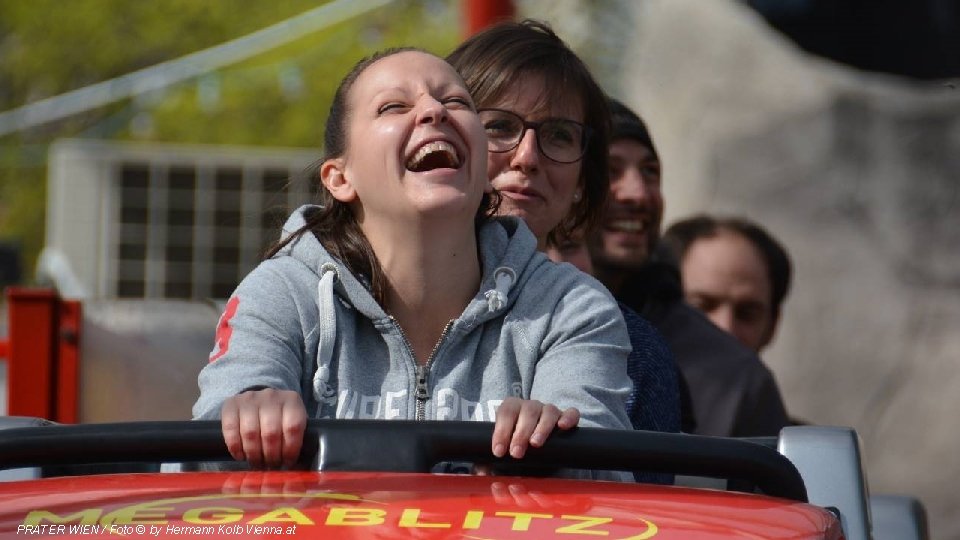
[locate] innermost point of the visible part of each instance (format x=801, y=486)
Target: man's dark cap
x=628, y=125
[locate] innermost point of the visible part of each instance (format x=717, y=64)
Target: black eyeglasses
x=559, y=139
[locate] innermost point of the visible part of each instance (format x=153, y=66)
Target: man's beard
x=623, y=262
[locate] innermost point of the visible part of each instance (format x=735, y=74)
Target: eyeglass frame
x=587, y=132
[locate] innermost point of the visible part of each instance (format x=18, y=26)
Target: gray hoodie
x=536, y=330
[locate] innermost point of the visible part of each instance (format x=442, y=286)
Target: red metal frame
x=43, y=354
x=68, y=362
x=478, y=14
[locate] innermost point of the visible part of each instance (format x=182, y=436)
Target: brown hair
x=492, y=61
x=333, y=222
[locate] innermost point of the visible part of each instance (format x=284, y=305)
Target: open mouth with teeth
x=627, y=226
x=434, y=155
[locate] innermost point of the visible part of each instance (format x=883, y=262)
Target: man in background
x=732, y=270
x=732, y=393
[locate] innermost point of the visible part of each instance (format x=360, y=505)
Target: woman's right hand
x=264, y=427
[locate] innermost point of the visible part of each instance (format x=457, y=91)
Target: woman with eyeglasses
x=547, y=126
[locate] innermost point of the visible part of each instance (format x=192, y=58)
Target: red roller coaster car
x=371, y=479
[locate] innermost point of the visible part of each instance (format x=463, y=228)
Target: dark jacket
x=654, y=403
x=732, y=392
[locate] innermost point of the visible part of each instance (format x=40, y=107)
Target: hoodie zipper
x=422, y=392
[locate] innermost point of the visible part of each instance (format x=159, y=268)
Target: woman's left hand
x=523, y=422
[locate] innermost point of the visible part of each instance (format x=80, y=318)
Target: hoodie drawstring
x=503, y=278
x=327, y=318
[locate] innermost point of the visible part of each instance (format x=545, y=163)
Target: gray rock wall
x=859, y=175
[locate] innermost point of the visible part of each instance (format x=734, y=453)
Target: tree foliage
x=278, y=98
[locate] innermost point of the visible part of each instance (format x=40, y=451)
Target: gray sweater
x=536, y=330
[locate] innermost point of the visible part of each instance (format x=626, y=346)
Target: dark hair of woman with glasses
x=507, y=60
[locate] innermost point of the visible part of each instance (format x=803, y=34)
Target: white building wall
x=85, y=229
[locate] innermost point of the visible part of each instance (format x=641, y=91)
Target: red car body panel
x=392, y=505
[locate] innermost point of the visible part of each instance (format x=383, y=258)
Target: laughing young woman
x=399, y=297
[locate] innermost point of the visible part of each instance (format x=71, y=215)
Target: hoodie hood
x=508, y=252
x=307, y=250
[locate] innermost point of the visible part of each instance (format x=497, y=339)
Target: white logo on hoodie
x=449, y=405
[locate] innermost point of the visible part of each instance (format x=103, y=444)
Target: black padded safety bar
x=410, y=446
x=135, y=442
